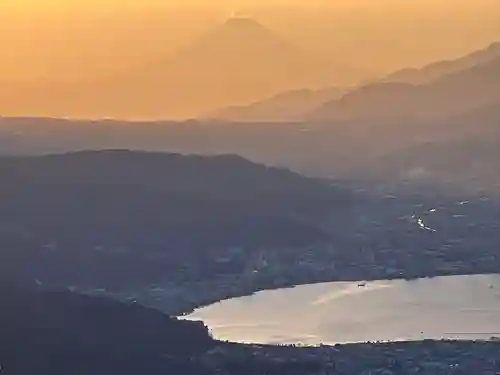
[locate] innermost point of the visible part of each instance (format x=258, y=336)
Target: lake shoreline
x=191, y=309
x=304, y=301
x=428, y=356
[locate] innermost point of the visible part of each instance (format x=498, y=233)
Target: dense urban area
x=410, y=237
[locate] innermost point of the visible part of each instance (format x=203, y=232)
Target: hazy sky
x=57, y=4
x=85, y=38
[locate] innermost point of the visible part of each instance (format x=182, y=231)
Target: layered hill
x=287, y=106
x=293, y=105
x=451, y=94
x=439, y=69
x=121, y=217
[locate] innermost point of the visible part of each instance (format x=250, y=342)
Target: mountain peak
x=240, y=35
x=245, y=27
x=242, y=22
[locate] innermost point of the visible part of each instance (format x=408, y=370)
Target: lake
x=451, y=307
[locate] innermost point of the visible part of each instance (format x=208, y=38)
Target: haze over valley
x=332, y=132
x=157, y=159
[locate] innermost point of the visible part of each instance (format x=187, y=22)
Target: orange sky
x=74, y=39
x=46, y=4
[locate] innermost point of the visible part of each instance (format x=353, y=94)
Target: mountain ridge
x=294, y=105
x=285, y=106
x=437, y=69
x=459, y=91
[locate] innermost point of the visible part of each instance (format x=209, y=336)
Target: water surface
x=451, y=307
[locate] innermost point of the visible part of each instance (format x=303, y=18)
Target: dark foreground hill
x=57, y=333
x=60, y=333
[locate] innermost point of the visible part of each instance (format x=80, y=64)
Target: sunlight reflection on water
x=454, y=307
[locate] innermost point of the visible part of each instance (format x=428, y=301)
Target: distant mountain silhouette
x=238, y=62
x=439, y=69
x=292, y=105
x=454, y=93
x=286, y=106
